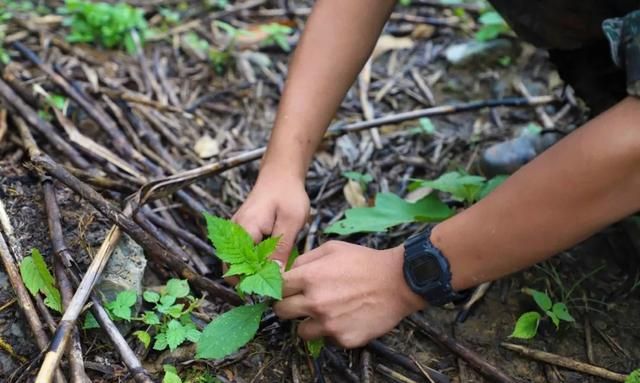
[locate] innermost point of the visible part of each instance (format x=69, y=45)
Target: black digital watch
x=427, y=272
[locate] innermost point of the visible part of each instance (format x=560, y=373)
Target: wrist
x=412, y=301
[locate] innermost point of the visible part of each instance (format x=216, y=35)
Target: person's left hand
x=349, y=293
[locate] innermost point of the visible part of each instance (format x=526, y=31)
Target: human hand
x=349, y=293
x=278, y=205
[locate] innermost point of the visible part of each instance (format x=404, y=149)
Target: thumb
x=287, y=229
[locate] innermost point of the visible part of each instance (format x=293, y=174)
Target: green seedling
x=170, y=374
x=527, y=325
x=461, y=186
x=425, y=126
x=277, y=34
x=361, y=178
x=109, y=25
x=633, y=377
x=38, y=280
x=492, y=25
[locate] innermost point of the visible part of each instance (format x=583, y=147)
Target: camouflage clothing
x=595, y=44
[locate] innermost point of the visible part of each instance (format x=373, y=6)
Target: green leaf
x=167, y=300
x=562, y=312
x=230, y=331
x=461, y=186
x=151, y=296
x=491, y=17
x=175, y=311
x=127, y=298
x=176, y=334
x=265, y=248
x=362, y=178
x=390, y=210
x=38, y=279
x=315, y=347
x=554, y=318
x=240, y=269
x=170, y=374
x=192, y=333
x=542, y=299
x=178, y=288
x=121, y=306
x=143, y=337
x=90, y=322
x=292, y=258
x=267, y=281
x=491, y=185
x=232, y=242
x=633, y=377
x=526, y=326
x=161, y=342
x=57, y=101
x=150, y=318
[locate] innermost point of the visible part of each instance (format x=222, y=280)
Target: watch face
x=425, y=269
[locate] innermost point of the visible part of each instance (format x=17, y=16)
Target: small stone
x=123, y=272
x=478, y=51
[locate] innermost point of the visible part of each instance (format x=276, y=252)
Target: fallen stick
x=403, y=361
x=185, y=235
x=393, y=375
x=473, y=359
x=164, y=186
x=61, y=257
x=366, y=369
x=29, y=310
x=563, y=361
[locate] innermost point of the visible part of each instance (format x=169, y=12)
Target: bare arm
x=588, y=180
x=338, y=39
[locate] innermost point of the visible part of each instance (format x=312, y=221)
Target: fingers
x=310, y=329
x=257, y=228
x=293, y=307
x=294, y=282
x=314, y=254
x=288, y=229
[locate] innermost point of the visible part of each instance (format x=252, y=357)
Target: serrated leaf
x=315, y=347
x=151, y=296
x=267, y=282
x=90, y=322
x=150, y=318
x=562, y=312
x=633, y=377
x=265, y=248
x=542, y=299
x=390, y=210
x=127, y=298
x=120, y=312
x=192, y=333
x=170, y=374
x=175, y=311
x=526, y=326
x=167, y=300
x=176, y=334
x=143, y=337
x=161, y=342
x=230, y=331
x=232, y=243
x=178, y=288
x=240, y=269
x=37, y=278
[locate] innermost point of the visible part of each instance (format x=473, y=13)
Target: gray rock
x=477, y=52
x=123, y=272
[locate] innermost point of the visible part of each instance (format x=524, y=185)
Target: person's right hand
x=278, y=205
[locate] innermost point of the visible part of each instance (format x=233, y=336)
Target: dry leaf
x=422, y=31
x=206, y=147
x=353, y=194
x=387, y=43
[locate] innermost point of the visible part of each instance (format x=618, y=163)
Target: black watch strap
x=439, y=292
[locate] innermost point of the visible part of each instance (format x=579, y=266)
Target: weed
x=277, y=34
x=527, y=325
x=634, y=377
x=361, y=178
x=425, y=126
x=38, y=280
x=492, y=25
x=107, y=24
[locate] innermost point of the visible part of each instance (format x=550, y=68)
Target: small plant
x=4, y=17
x=277, y=34
x=258, y=275
x=170, y=374
x=107, y=24
x=527, y=325
x=462, y=186
x=634, y=377
x=492, y=25
x=425, y=126
x=38, y=280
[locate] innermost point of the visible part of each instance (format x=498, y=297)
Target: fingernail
x=280, y=264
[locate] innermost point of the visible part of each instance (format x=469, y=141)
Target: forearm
x=588, y=180
x=338, y=39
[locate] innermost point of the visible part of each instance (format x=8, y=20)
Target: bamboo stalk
x=563, y=361
x=62, y=256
